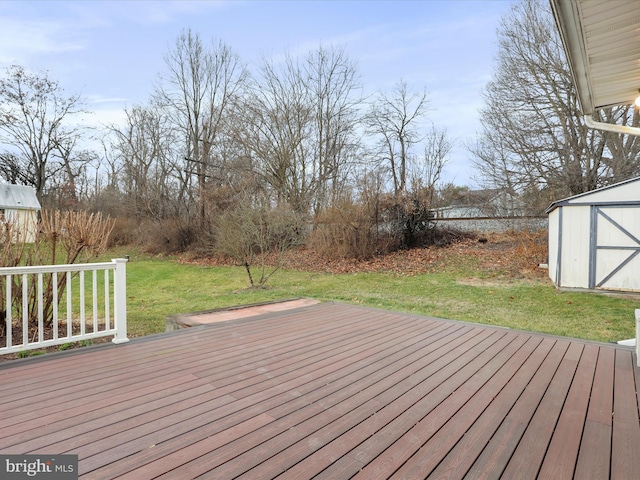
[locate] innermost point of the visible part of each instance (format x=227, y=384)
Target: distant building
x=19, y=205
x=482, y=204
x=488, y=211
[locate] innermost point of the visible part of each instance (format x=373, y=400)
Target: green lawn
x=160, y=287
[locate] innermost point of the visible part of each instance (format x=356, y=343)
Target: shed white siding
x=594, y=239
x=571, y=263
x=27, y=221
x=554, y=246
x=18, y=204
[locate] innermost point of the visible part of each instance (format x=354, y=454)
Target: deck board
x=567, y=434
x=340, y=409
x=593, y=460
x=626, y=430
x=499, y=450
x=331, y=391
x=462, y=410
x=457, y=462
x=529, y=455
x=398, y=405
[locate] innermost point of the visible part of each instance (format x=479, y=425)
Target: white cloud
x=21, y=40
x=108, y=116
x=98, y=99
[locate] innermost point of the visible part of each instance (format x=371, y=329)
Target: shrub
x=126, y=231
x=345, y=231
x=250, y=234
x=166, y=236
x=62, y=238
x=532, y=247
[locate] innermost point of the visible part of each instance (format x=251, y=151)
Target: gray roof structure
x=565, y=201
x=19, y=197
x=601, y=42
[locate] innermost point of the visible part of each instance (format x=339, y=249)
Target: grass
x=160, y=287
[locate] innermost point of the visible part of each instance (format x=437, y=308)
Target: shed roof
x=600, y=195
x=19, y=197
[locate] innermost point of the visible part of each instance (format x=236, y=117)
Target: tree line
x=218, y=146
x=214, y=138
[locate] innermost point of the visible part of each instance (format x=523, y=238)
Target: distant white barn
x=594, y=239
x=20, y=205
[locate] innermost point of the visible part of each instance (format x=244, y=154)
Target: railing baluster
x=82, y=312
x=107, y=305
x=95, y=300
x=40, y=309
x=54, y=299
x=69, y=307
x=9, y=311
x=25, y=311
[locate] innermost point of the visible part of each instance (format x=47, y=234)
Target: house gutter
x=610, y=127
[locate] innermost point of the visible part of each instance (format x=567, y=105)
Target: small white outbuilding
x=594, y=239
x=19, y=205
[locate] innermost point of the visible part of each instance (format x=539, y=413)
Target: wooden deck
x=331, y=391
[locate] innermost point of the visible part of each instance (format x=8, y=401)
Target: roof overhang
x=602, y=41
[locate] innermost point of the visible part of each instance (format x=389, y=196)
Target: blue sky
x=111, y=52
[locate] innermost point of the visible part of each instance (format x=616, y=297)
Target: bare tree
x=70, y=186
x=276, y=132
x=253, y=234
x=429, y=167
x=332, y=81
x=199, y=89
x=148, y=175
x=394, y=119
x=623, y=159
x=397, y=122
x=301, y=118
x=14, y=169
x=34, y=124
x=533, y=136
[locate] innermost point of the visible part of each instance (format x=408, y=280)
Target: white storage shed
x=594, y=239
x=19, y=204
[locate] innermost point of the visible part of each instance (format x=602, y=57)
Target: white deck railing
x=638, y=337
x=61, y=316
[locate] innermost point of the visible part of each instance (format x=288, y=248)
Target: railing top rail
x=57, y=268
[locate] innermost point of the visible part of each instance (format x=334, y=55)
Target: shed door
x=615, y=247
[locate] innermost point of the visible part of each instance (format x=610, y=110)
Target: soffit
x=602, y=41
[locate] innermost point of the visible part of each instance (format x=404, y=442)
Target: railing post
x=120, y=300
x=638, y=337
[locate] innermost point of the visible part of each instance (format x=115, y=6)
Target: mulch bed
x=510, y=254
